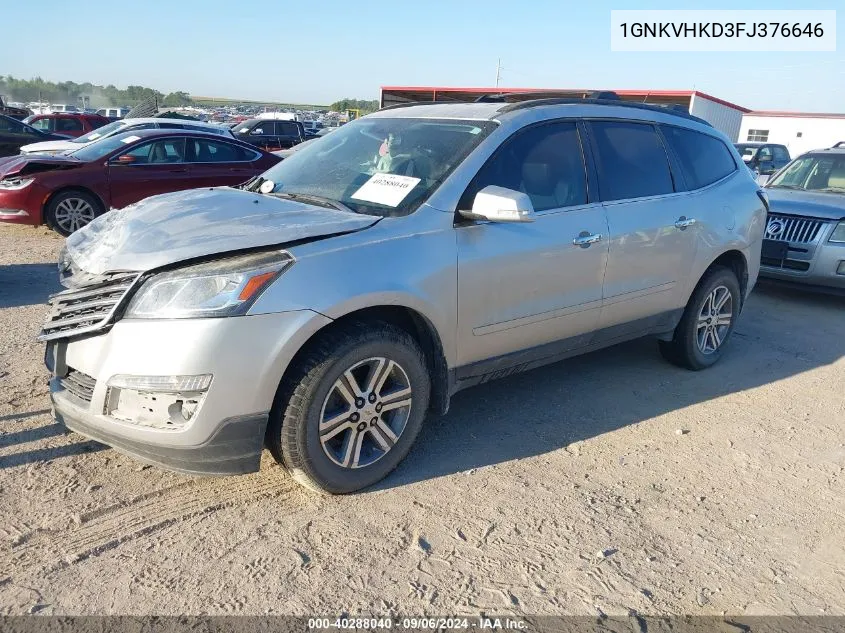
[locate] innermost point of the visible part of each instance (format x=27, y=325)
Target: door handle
x=585, y=239
x=683, y=222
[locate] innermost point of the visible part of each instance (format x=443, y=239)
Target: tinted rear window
x=631, y=159
x=704, y=159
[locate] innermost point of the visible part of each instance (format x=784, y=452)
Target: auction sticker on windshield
x=386, y=189
x=131, y=139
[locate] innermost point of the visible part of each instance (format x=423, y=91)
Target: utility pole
x=498, y=71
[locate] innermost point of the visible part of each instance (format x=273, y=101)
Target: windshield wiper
x=786, y=187
x=833, y=189
x=325, y=202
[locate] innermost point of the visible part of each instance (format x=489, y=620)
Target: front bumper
x=823, y=271
x=22, y=206
x=246, y=356
x=234, y=449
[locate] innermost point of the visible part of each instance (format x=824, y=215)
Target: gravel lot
x=612, y=482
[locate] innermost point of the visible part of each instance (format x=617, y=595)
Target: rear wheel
x=69, y=211
x=707, y=323
x=351, y=408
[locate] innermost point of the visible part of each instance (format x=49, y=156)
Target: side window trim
x=594, y=147
x=459, y=221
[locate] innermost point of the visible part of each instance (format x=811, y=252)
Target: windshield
x=103, y=147
x=747, y=152
x=819, y=172
x=377, y=166
x=100, y=132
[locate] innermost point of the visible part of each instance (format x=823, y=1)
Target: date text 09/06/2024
x=418, y=624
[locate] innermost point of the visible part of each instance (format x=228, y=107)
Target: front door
x=526, y=291
x=148, y=169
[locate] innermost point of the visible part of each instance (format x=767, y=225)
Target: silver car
x=805, y=234
x=325, y=308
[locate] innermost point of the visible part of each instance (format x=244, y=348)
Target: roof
x=797, y=115
x=648, y=96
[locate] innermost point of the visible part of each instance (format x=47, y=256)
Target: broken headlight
x=13, y=184
x=220, y=288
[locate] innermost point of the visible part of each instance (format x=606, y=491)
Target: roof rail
x=838, y=145
x=408, y=104
x=673, y=109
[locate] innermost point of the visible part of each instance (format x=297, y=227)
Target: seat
x=159, y=154
x=837, y=177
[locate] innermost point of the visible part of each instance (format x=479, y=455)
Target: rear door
x=652, y=230
x=289, y=134
x=148, y=169
x=216, y=163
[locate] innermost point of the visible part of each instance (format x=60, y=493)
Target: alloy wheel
x=72, y=214
x=714, y=320
x=365, y=412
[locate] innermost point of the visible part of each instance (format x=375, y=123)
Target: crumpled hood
x=174, y=227
x=34, y=163
x=50, y=146
x=807, y=203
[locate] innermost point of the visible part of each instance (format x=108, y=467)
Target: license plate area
x=54, y=358
x=775, y=249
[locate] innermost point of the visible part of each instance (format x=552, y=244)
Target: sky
x=322, y=51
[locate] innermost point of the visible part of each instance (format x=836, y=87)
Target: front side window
x=781, y=154
x=704, y=159
x=814, y=172
x=170, y=150
x=378, y=166
x=266, y=128
x=544, y=161
x=42, y=124
x=631, y=159
x=758, y=136
x=10, y=125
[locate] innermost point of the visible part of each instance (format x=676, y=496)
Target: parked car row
x=67, y=191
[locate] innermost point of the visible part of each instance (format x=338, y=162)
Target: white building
x=799, y=131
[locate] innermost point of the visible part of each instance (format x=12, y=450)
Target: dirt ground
x=609, y=483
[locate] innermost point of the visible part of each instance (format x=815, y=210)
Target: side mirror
x=125, y=159
x=499, y=204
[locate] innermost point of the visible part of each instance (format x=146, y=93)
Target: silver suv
x=325, y=308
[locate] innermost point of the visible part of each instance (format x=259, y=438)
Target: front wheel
x=708, y=321
x=351, y=409
x=70, y=210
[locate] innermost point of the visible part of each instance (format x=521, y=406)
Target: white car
x=124, y=125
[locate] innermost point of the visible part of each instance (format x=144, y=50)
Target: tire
x=311, y=395
x=70, y=210
x=686, y=349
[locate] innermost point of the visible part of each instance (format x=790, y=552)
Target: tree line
x=29, y=90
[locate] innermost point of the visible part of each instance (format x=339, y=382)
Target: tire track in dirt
x=110, y=526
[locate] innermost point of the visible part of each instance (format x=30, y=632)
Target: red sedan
x=67, y=191
x=67, y=124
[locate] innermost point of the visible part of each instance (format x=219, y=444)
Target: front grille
x=789, y=264
x=85, y=309
x=79, y=384
x=787, y=228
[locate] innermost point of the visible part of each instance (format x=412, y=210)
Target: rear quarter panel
x=730, y=217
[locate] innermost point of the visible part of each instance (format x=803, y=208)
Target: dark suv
x=270, y=134
x=763, y=158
